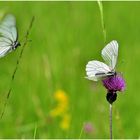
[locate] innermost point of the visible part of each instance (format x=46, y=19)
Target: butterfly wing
x=4, y=46
x=4, y=51
x=8, y=28
x=110, y=54
x=8, y=34
x=96, y=70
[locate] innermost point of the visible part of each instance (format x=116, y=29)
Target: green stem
x=100, y=4
x=35, y=130
x=110, y=119
x=16, y=67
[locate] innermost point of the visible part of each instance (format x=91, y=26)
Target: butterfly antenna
x=17, y=64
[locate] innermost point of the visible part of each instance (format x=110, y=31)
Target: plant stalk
x=100, y=4
x=110, y=120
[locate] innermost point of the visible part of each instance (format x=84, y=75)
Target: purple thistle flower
x=114, y=83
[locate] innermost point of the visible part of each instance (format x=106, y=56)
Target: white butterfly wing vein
x=8, y=28
x=4, y=40
x=110, y=54
x=96, y=67
x=4, y=51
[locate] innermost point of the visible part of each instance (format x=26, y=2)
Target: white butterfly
x=96, y=69
x=8, y=35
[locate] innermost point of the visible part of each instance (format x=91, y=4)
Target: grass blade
x=100, y=4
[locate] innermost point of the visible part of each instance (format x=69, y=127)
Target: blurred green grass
x=65, y=36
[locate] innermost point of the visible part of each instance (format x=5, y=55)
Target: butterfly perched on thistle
x=8, y=35
x=96, y=70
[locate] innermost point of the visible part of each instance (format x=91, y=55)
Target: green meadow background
x=64, y=37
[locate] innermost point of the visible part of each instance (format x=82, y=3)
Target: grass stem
x=102, y=19
x=35, y=130
x=16, y=67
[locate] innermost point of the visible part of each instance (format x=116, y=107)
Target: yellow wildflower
x=61, y=109
x=61, y=96
x=64, y=124
x=62, y=105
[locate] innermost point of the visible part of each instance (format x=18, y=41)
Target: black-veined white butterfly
x=8, y=35
x=96, y=70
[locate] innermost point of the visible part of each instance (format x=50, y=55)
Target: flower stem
x=110, y=119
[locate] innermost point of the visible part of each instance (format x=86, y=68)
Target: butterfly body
x=112, y=73
x=15, y=45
